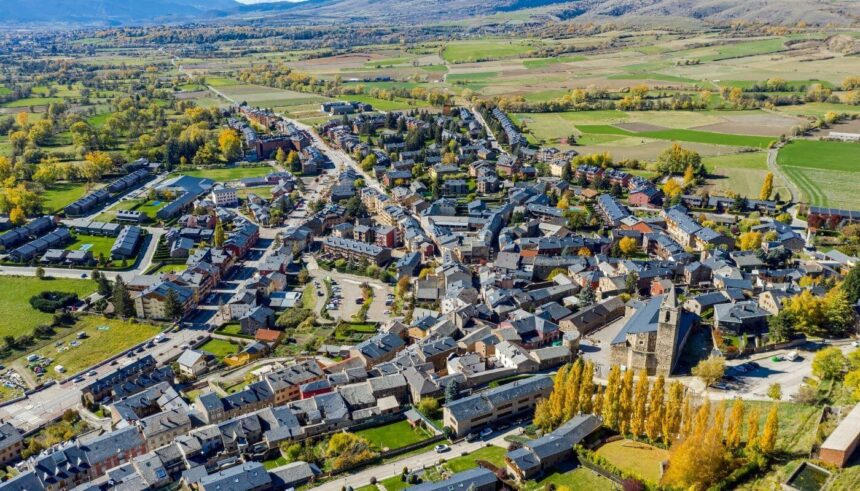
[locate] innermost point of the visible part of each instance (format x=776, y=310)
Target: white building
x=224, y=196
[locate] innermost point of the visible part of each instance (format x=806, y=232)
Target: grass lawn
x=97, y=245
x=58, y=195
x=309, y=297
x=493, y=454
x=709, y=137
x=15, y=292
x=394, y=483
x=797, y=424
x=579, y=478
x=276, y=462
x=33, y=101
x=220, y=348
x=99, y=345
x=638, y=458
x=228, y=173
x=826, y=172
x=393, y=435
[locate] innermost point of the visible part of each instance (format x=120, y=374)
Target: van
x=791, y=355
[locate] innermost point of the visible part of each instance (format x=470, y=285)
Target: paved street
x=50, y=403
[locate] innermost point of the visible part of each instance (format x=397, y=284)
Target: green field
x=33, y=101
x=741, y=173
x=487, y=49
x=399, y=103
x=220, y=348
x=640, y=459
x=100, y=344
x=826, y=172
x=708, y=137
x=229, y=173
x=15, y=292
x=99, y=246
x=545, y=62
x=579, y=478
x=58, y=195
x=393, y=435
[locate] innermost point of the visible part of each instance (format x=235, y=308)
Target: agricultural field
x=480, y=50
x=15, y=292
x=398, y=104
x=826, y=172
x=104, y=339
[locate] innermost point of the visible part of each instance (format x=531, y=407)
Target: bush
x=49, y=301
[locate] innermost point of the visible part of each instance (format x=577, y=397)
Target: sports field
x=229, y=173
x=826, y=172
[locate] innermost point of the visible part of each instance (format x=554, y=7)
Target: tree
x=40, y=273
x=172, y=306
x=627, y=245
x=654, y=422
x=640, y=402
x=766, y=187
x=851, y=285
x=749, y=241
x=752, y=430
x=710, y=370
x=17, y=216
x=571, y=393
x=676, y=159
x=304, y=277
x=672, y=414
x=229, y=144
x=736, y=422
x=586, y=387
x=781, y=326
x=452, y=391
x=428, y=406
x=368, y=162
x=626, y=400
x=280, y=155
x=218, y=237
x=563, y=204
x=672, y=189
x=698, y=462
x=612, y=398
x=689, y=175
x=586, y=296
x=774, y=391
x=122, y=302
x=346, y=449
x=767, y=442
x=828, y=363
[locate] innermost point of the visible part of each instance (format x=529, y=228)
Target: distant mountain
x=120, y=12
x=110, y=12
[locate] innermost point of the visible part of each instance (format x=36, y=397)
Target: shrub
x=50, y=301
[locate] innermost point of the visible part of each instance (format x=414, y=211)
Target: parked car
x=486, y=432
x=471, y=437
x=442, y=448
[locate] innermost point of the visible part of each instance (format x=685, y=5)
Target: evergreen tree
x=640, y=404
x=452, y=390
x=218, y=237
x=122, y=302
x=172, y=306
x=736, y=422
x=654, y=422
x=767, y=442
x=626, y=399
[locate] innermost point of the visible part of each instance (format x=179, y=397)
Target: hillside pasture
x=484, y=49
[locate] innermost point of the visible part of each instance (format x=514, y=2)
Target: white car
x=442, y=448
x=486, y=432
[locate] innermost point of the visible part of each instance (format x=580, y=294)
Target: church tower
x=668, y=323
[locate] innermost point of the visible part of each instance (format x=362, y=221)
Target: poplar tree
x=752, y=430
x=767, y=442
x=672, y=415
x=655, y=409
x=736, y=422
x=700, y=421
x=597, y=401
x=640, y=404
x=687, y=419
x=626, y=402
x=556, y=397
x=611, y=398
x=586, y=387
x=571, y=403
